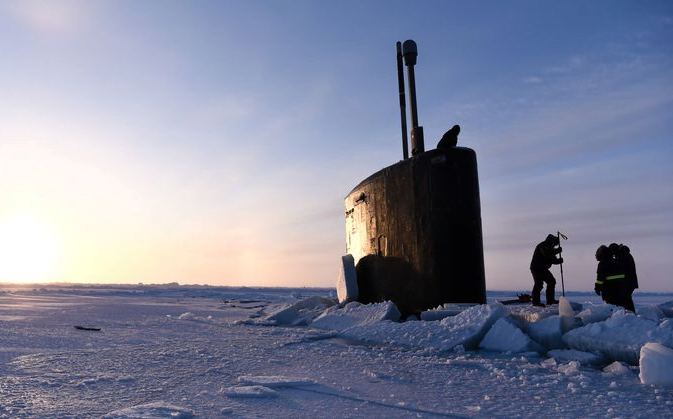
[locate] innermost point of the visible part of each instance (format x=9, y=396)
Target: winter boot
x=550, y=295
x=536, y=298
x=536, y=301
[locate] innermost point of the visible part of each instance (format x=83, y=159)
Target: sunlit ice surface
x=28, y=249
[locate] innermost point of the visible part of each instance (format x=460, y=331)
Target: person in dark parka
x=545, y=255
x=611, y=279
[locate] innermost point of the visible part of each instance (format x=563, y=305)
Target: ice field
x=208, y=352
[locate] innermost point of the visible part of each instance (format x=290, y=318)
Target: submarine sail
x=414, y=228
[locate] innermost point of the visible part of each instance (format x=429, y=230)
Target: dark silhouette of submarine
x=413, y=229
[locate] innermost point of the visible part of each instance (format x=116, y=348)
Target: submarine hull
x=414, y=230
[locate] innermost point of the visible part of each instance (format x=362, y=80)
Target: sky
x=214, y=142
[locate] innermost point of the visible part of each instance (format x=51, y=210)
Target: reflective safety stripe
x=620, y=276
x=599, y=282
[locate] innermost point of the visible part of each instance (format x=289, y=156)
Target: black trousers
x=618, y=293
x=540, y=278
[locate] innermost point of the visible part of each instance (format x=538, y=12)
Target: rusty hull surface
x=414, y=230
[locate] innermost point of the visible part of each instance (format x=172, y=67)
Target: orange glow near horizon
x=28, y=250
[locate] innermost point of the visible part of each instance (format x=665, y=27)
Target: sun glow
x=28, y=251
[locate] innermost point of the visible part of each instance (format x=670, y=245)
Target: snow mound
x=187, y=316
x=301, y=312
x=263, y=386
x=155, y=410
x=356, y=314
x=249, y=392
x=274, y=381
x=505, y=336
x=656, y=364
x=616, y=368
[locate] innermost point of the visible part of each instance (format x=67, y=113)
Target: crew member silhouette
x=545, y=255
x=611, y=281
x=450, y=138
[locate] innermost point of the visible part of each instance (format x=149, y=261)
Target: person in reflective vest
x=545, y=255
x=611, y=282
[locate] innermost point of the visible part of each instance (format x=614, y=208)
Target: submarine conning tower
x=414, y=228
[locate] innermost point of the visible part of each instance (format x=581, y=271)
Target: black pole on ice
x=403, y=100
x=410, y=52
x=560, y=235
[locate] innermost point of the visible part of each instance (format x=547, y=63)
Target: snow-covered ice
x=210, y=352
x=156, y=410
x=347, y=283
x=655, y=364
x=619, y=337
x=356, y=314
x=506, y=336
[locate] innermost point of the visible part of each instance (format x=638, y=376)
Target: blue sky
x=214, y=141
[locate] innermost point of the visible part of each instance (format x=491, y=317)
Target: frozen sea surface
x=210, y=352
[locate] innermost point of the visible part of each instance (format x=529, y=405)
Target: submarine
x=413, y=229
